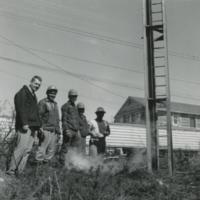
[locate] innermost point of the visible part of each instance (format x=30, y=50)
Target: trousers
x=73, y=143
x=22, y=151
x=47, y=148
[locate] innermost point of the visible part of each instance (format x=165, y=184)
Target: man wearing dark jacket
x=70, y=125
x=27, y=122
x=84, y=126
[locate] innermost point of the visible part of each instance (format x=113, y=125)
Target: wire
x=42, y=67
x=65, y=71
x=93, y=35
x=62, y=89
x=174, y=95
x=185, y=56
x=65, y=28
x=82, y=60
x=87, y=61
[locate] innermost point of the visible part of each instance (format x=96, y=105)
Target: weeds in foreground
x=112, y=180
x=47, y=182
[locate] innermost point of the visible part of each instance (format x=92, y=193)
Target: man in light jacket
x=99, y=130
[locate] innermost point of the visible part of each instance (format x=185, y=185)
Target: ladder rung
x=158, y=26
x=158, y=20
x=162, y=95
x=159, y=57
x=156, y=12
x=161, y=109
x=162, y=136
x=161, y=85
x=160, y=76
x=163, y=147
x=160, y=99
x=159, y=47
x=156, y=3
x=159, y=66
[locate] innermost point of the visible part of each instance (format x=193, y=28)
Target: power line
x=82, y=59
x=65, y=90
x=175, y=95
x=65, y=71
x=69, y=29
x=87, y=61
x=92, y=35
x=121, y=84
x=42, y=67
x=185, y=56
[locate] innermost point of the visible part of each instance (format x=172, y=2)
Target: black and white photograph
x=99, y=100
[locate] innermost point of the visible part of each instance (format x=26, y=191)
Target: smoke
x=87, y=164
x=137, y=160
x=74, y=160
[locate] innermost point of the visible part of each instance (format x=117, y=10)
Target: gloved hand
x=25, y=128
x=58, y=138
x=69, y=133
x=41, y=135
x=96, y=134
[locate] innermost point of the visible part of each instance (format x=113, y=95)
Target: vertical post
x=151, y=117
x=169, y=127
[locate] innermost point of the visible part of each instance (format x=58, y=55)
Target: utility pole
x=157, y=89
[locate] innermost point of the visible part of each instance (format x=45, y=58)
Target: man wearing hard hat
x=50, y=132
x=99, y=130
x=70, y=125
x=84, y=127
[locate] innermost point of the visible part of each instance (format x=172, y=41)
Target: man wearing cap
x=27, y=123
x=99, y=130
x=70, y=125
x=84, y=127
x=50, y=132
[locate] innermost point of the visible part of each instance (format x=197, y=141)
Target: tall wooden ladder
x=157, y=81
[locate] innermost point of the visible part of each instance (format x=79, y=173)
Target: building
x=6, y=124
x=183, y=115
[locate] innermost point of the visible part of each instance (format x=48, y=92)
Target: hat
x=72, y=92
x=100, y=109
x=80, y=105
x=52, y=88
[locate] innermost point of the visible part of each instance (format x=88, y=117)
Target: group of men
x=42, y=120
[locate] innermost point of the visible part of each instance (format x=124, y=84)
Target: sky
x=95, y=47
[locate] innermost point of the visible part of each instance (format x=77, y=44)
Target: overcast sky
x=95, y=47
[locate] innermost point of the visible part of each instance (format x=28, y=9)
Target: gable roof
x=175, y=106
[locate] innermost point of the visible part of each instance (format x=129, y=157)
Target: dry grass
x=86, y=179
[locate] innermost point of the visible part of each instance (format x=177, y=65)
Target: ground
x=113, y=180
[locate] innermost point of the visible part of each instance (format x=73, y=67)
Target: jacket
x=49, y=115
x=84, y=127
x=26, y=109
x=70, y=118
x=99, y=130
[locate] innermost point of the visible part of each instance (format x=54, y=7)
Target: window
x=176, y=120
x=126, y=118
x=192, y=122
x=133, y=117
